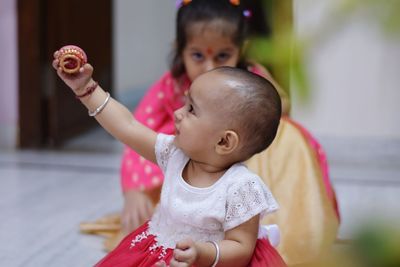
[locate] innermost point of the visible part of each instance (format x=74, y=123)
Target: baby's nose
x=178, y=114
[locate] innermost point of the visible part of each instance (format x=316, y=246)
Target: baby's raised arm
x=111, y=115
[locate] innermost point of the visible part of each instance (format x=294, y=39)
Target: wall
x=144, y=32
x=354, y=70
x=8, y=75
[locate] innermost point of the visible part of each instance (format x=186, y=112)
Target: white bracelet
x=216, y=260
x=101, y=107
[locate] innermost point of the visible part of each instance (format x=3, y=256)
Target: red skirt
x=139, y=249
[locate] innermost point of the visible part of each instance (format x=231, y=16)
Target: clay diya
x=71, y=58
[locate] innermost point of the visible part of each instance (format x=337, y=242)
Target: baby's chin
x=178, y=145
x=176, y=141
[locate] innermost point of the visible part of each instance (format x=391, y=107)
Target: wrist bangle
x=216, y=260
x=89, y=90
x=101, y=107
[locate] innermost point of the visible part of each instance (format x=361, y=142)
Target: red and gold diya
x=71, y=58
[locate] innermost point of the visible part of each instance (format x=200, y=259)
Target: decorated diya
x=71, y=58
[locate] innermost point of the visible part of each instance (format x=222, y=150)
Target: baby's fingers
x=175, y=263
x=160, y=264
x=56, y=54
x=186, y=256
x=55, y=64
x=86, y=69
x=185, y=244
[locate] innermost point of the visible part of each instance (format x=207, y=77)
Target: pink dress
x=156, y=110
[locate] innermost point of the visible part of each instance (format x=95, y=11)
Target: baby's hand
x=185, y=254
x=77, y=81
x=161, y=264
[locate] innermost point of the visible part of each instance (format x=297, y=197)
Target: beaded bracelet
x=101, y=107
x=89, y=90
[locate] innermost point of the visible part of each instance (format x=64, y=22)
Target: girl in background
x=209, y=34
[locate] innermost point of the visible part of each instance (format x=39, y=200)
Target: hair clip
x=247, y=13
x=235, y=2
x=180, y=3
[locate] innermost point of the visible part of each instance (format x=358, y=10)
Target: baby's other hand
x=161, y=264
x=78, y=81
x=138, y=208
x=185, y=254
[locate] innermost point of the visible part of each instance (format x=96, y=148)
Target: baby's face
x=202, y=121
x=207, y=49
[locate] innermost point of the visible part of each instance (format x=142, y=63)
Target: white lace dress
x=185, y=211
x=204, y=214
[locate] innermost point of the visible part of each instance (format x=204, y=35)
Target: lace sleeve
x=164, y=148
x=245, y=200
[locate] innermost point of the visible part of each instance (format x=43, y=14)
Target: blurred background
x=341, y=66
x=351, y=57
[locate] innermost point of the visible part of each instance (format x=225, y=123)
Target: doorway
x=49, y=114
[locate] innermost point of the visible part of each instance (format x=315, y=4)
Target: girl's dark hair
x=207, y=11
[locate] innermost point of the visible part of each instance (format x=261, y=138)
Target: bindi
x=209, y=51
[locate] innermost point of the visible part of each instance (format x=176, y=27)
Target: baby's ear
x=228, y=143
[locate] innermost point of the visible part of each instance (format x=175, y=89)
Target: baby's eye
x=190, y=109
x=197, y=56
x=221, y=57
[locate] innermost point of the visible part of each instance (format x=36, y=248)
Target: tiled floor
x=45, y=194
